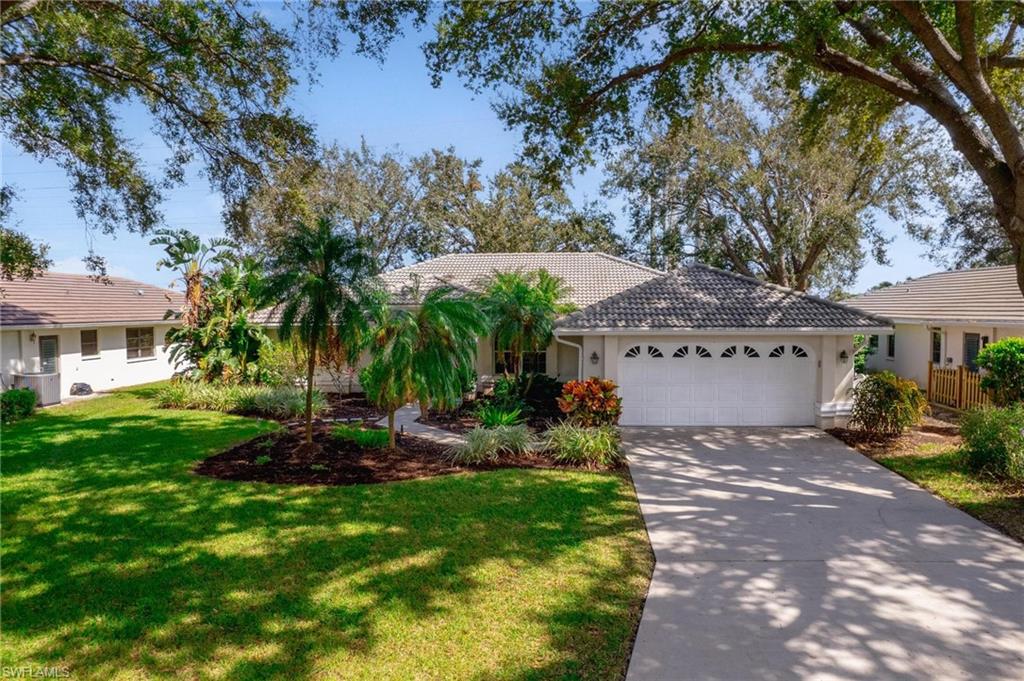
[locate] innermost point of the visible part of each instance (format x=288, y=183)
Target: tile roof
x=702, y=297
x=590, y=276
x=56, y=298
x=984, y=294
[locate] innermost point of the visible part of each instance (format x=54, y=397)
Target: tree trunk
x=391, y=428
x=310, y=367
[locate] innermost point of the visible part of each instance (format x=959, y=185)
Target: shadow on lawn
x=116, y=557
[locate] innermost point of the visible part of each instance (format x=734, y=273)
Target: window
x=139, y=342
x=90, y=343
x=729, y=351
x=633, y=351
x=702, y=352
x=798, y=351
x=936, y=346
x=653, y=351
x=49, y=354
x=890, y=345
x=530, y=362
x=972, y=344
x=873, y=341
x=777, y=351
x=682, y=351
x=750, y=352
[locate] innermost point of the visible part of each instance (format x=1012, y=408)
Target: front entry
x=691, y=382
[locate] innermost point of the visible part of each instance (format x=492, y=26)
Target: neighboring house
x=943, y=319
x=699, y=346
x=73, y=329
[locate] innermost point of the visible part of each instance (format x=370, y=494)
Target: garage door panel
x=746, y=387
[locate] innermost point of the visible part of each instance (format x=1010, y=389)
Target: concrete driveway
x=784, y=554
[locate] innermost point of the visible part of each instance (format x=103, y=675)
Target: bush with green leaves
x=507, y=394
x=282, y=363
x=250, y=400
x=374, y=438
x=1003, y=362
x=16, y=404
x=994, y=440
x=590, y=446
x=885, y=404
x=487, y=445
x=492, y=415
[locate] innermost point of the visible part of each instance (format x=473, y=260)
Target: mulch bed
x=464, y=419
x=352, y=406
x=931, y=431
x=341, y=462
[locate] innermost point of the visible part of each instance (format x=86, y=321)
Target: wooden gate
x=958, y=388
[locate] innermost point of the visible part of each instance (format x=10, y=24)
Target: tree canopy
x=579, y=79
x=740, y=187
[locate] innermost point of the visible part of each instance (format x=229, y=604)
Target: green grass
x=943, y=471
x=364, y=437
x=120, y=563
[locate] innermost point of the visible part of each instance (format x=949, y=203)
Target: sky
x=392, y=105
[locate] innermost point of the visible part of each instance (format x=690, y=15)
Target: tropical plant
x=282, y=402
x=425, y=354
x=596, y=446
x=886, y=404
x=282, y=363
x=593, y=402
x=522, y=308
x=16, y=404
x=507, y=394
x=994, y=440
x=373, y=438
x=486, y=445
x=492, y=415
x=321, y=276
x=189, y=255
x=1003, y=362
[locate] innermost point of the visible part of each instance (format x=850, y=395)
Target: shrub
x=506, y=394
x=282, y=364
x=479, y=445
x=1003, y=362
x=483, y=445
x=886, y=404
x=994, y=440
x=594, y=446
x=251, y=400
x=373, y=438
x=16, y=404
x=513, y=439
x=592, y=402
x=492, y=415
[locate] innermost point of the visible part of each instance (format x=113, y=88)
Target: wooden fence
x=958, y=388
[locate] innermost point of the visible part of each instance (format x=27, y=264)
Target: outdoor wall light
x=594, y=357
x=843, y=357
x=32, y=337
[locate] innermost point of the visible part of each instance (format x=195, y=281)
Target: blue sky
x=392, y=105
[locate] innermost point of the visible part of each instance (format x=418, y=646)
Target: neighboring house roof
x=590, y=277
x=987, y=295
x=57, y=299
x=698, y=297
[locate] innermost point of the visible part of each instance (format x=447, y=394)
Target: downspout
x=579, y=355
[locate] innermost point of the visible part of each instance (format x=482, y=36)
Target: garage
x=683, y=382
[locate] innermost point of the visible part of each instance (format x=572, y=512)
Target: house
x=72, y=329
x=942, y=320
x=698, y=346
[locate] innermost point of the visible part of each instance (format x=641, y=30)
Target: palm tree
x=426, y=354
x=522, y=309
x=321, y=277
x=186, y=253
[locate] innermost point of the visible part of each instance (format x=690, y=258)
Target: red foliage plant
x=592, y=402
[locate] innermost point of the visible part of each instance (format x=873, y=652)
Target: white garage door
x=695, y=383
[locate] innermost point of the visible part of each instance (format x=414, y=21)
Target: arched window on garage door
x=632, y=352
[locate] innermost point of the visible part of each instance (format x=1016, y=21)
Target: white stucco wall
x=110, y=369
x=914, y=348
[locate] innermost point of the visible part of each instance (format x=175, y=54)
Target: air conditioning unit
x=45, y=386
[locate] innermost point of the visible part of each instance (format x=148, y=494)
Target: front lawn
x=931, y=456
x=120, y=562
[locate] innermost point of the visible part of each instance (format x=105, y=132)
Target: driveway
x=784, y=554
